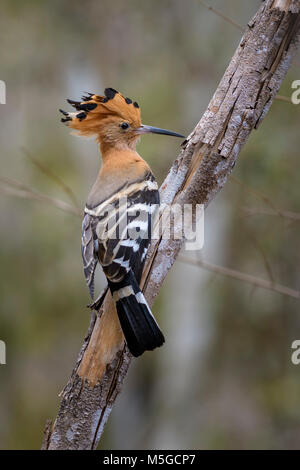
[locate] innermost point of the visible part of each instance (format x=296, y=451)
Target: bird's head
x=113, y=119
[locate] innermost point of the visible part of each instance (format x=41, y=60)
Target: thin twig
x=15, y=188
x=271, y=211
x=253, y=280
x=224, y=17
x=256, y=193
x=264, y=257
x=283, y=98
x=69, y=192
x=295, y=216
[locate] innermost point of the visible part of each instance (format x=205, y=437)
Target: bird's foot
x=96, y=305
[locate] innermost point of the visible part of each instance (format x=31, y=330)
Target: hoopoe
x=124, y=176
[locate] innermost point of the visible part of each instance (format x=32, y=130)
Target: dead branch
x=229, y=20
x=209, y=154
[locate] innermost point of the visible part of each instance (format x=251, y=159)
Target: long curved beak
x=157, y=130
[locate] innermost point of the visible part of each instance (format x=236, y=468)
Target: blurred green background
x=224, y=379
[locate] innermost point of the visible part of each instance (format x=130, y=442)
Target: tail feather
x=140, y=329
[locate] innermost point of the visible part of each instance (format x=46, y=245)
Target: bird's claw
x=96, y=305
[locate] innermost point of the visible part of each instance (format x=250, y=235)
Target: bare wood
x=239, y=104
x=54, y=177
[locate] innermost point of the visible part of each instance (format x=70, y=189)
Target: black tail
x=140, y=329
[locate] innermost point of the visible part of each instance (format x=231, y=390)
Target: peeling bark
x=208, y=156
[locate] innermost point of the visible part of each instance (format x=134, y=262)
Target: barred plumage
x=117, y=224
x=107, y=237
x=142, y=331
x=107, y=226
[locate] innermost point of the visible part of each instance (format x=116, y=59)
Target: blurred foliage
x=224, y=379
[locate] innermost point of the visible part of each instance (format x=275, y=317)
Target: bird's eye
x=124, y=125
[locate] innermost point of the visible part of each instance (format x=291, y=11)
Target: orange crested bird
x=116, y=228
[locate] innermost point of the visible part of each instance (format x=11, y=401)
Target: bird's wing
x=89, y=250
x=123, y=230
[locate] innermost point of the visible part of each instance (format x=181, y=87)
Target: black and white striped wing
x=89, y=249
x=124, y=231
x=128, y=251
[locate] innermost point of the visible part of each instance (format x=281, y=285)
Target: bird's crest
x=94, y=109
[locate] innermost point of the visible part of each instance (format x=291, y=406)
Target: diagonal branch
x=208, y=156
x=241, y=28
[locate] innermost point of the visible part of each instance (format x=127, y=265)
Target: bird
x=116, y=227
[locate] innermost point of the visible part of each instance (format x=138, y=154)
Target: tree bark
x=208, y=156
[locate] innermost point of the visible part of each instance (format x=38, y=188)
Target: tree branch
x=209, y=154
x=241, y=28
